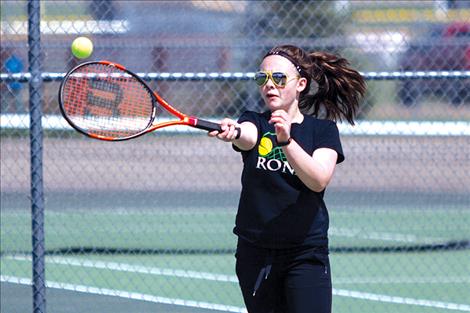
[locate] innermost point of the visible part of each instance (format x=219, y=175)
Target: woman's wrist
x=284, y=143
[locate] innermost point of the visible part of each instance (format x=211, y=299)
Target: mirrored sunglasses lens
x=261, y=78
x=279, y=78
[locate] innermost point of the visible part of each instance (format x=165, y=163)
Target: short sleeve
x=327, y=136
x=249, y=116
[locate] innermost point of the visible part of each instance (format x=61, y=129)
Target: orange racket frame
x=158, y=101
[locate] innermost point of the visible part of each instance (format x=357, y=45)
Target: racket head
x=105, y=101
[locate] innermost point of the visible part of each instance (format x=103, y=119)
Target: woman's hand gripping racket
x=105, y=101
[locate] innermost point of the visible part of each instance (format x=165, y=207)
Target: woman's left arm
x=316, y=170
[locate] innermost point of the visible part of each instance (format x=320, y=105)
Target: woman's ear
x=301, y=84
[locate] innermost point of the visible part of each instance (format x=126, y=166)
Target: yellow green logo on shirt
x=272, y=158
x=265, y=146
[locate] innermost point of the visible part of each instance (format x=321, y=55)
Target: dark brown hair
x=333, y=90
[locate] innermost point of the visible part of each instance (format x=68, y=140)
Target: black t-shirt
x=276, y=210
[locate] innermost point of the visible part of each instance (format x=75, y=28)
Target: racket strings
x=106, y=101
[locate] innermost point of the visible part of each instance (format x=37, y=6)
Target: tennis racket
x=106, y=101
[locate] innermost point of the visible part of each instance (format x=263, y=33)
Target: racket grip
x=211, y=126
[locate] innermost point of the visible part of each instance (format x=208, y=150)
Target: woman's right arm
x=248, y=136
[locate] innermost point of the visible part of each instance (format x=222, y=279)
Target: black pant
x=284, y=281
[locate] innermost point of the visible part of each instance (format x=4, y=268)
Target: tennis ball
x=265, y=146
x=82, y=47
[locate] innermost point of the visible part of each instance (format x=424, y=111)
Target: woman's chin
x=274, y=104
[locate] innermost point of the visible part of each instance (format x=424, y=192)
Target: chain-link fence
x=145, y=225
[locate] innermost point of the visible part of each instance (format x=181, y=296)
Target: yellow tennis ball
x=265, y=146
x=82, y=47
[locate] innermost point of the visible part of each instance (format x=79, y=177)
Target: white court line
x=233, y=279
x=127, y=295
x=402, y=280
x=383, y=236
x=401, y=300
x=123, y=267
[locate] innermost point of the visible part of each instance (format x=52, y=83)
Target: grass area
x=50, y=10
x=383, y=104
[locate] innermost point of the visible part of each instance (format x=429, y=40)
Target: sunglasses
x=279, y=79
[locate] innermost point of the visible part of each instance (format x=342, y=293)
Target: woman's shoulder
x=319, y=122
x=320, y=127
x=254, y=116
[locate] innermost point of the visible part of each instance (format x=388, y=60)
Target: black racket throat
x=211, y=126
x=206, y=125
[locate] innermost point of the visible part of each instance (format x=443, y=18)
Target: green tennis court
x=163, y=240
x=182, y=258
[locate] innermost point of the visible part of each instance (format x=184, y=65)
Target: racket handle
x=210, y=126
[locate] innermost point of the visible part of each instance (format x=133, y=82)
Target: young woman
x=289, y=154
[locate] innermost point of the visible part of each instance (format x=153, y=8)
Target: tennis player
x=289, y=154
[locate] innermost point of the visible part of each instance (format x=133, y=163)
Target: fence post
x=36, y=141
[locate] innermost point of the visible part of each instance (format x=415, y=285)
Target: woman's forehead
x=277, y=63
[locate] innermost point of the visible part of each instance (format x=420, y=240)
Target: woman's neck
x=295, y=115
